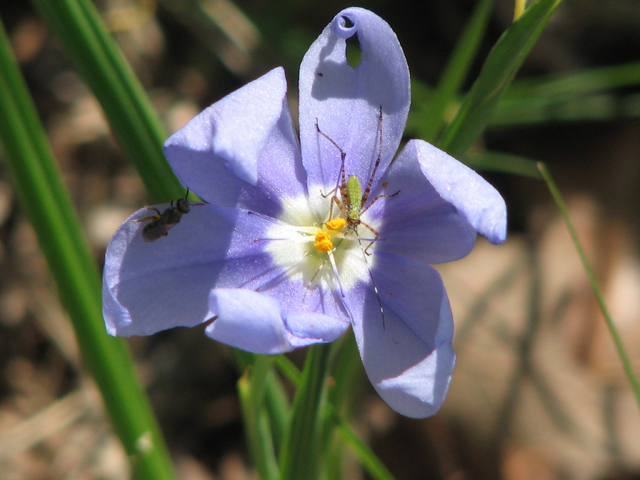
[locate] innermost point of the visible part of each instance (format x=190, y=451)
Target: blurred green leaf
x=370, y=462
x=455, y=72
x=604, y=106
x=585, y=81
x=498, y=71
x=123, y=99
x=47, y=203
x=252, y=387
x=585, y=95
x=300, y=455
x=274, y=399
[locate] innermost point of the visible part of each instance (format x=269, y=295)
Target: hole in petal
x=354, y=54
x=347, y=22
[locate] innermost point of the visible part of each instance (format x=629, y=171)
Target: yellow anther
x=336, y=224
x=323, y=242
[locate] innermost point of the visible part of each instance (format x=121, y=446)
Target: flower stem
x=300, y=455
x=252, y=387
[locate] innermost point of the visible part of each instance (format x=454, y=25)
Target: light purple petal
x=152, y=286
x=346, y=101
x=255, y=322
x=417, y=222
x=242, y=150
x=295, y=294
x=301, y=287
x=409, y=356
x=308, y=328
x=248, y=320
x=472, y=195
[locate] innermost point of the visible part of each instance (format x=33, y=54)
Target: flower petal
x=415, y=220
x=248, y=320
x=152, y=286
x=408, y=356
x=309, y=328
x=254, y=321
x=345, y=101
x=472, y=195
x=242, y=150
x=273, y=257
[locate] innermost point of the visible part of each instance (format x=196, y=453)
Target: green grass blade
x=275, y=397
x=123, y=100
x=341, y=395
x=622, y=353
x=593, y=107
x=252, y=387
x=455, y=71
x=277, y=405
x=367, y=458
x=300, y=456
x=343, y=364
x=49, y=208
x=288, y=369
x=583, y=82
x=497, y=73
x=369, y=461
x=579, y=96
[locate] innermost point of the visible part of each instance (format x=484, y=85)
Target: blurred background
x=538, y=391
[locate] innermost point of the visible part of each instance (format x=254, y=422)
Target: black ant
x=160, y=224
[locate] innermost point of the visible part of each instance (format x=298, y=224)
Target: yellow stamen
x=323, y=242
x=336, y=224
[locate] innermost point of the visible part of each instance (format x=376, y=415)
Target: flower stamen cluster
x=336, y=224
x=323, y=239
x=323, y=242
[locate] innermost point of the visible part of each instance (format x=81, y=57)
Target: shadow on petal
x=153, y=286
x=408, y=357
x=255, y=322
x=334, y=78
x=248, y=320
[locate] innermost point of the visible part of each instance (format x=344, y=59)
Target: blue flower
x=282, y=255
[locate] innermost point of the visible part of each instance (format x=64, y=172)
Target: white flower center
x=324, y=251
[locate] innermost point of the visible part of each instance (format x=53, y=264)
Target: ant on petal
x=160, y=224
